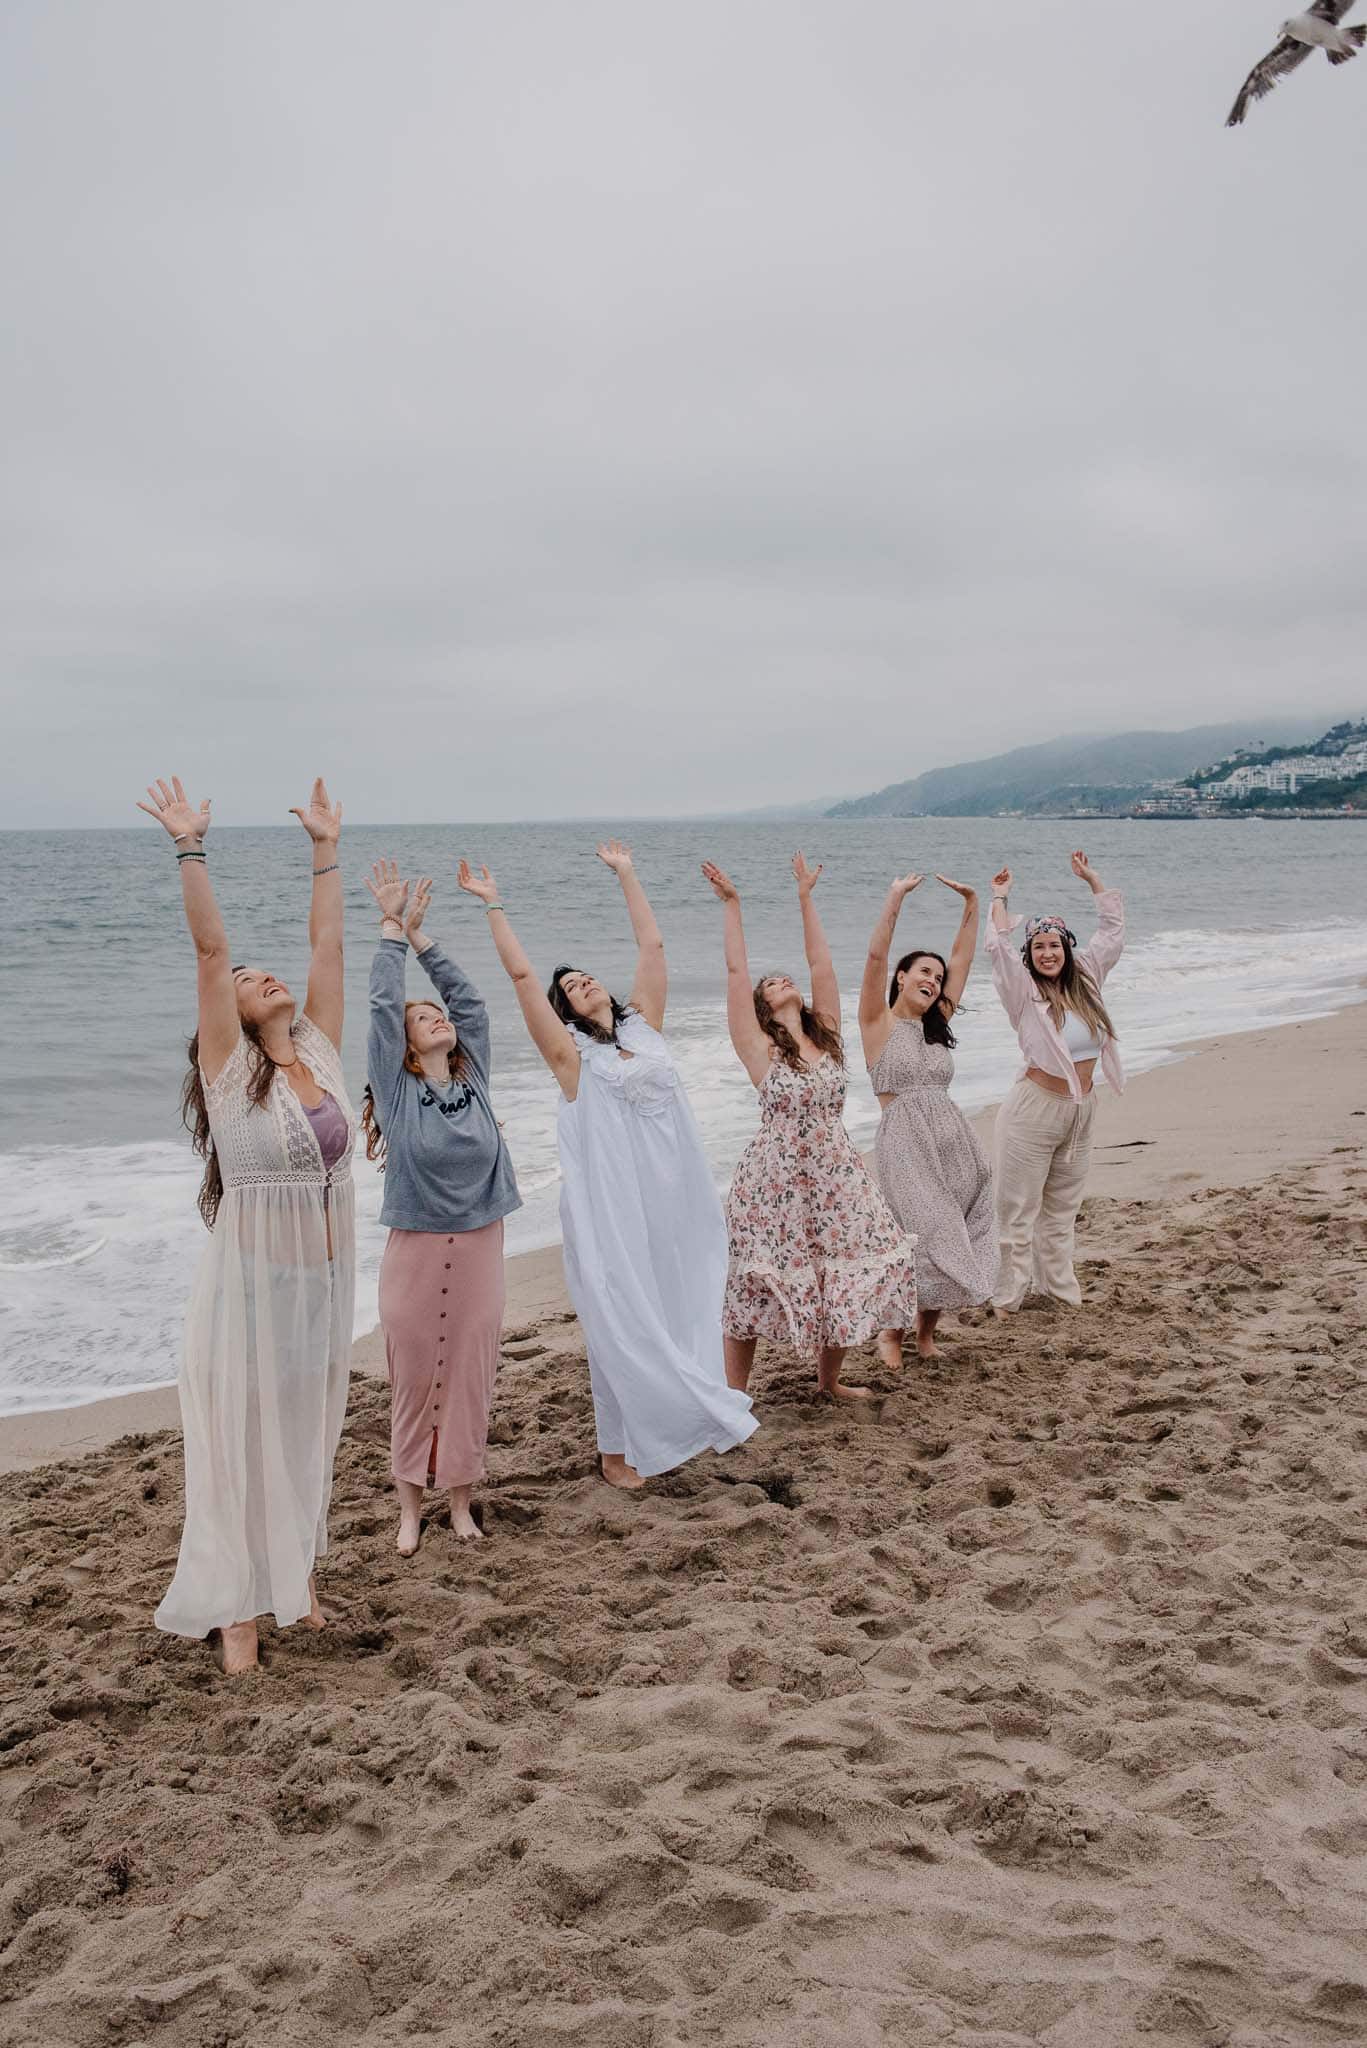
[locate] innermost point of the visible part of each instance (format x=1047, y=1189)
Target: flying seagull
x=1317, y=28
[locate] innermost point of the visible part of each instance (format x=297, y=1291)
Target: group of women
x=673, y=1292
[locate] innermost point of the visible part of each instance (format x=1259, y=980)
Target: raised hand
x=418, y=908
x=320, y=817
x=963, y=889
x=1001, y=882
x=172, y=808
x=1084, y=871
x=805, y=875
x=904, y=884
x=614, y=855
x=389, y=889
x=722, y=885
x=477, y=882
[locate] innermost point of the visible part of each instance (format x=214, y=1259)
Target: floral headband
x=1048, y=924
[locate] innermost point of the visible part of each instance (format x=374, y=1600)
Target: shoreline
x=1188, y=1123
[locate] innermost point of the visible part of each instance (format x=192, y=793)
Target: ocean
x=1232, y=926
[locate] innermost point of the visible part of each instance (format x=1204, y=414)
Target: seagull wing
x=1264, y=75
x=1331, y=10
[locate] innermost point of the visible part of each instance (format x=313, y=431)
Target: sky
x=642, y=409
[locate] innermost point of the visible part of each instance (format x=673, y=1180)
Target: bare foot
x=925, y=1348
x=315, y=1618
x=890, y=1349
x=840, y=1392
x=617, y=1472
x=410, y=1533
x=239, y=1647
x=464, y=1527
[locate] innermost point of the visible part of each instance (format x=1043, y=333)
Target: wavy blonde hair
x=375, y=1146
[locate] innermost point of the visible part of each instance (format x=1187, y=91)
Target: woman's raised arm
x=219, y=1029
x=650, y=988
x=825, y=987
x=875, y=1012
x=752, y=1047
x=465, y=1006
x=1107, y=943
x=1009, y=977
x=965, y=942
x=387, y=1041
x=548, y=1034
x=323, y=1005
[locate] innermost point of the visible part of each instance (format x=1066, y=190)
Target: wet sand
x=1029, y=1707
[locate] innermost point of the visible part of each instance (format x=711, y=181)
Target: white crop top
x=1081, y=1041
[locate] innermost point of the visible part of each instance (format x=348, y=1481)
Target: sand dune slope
x=1031, y=1708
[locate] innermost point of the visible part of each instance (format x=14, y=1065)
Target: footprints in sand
x=1028, y=1707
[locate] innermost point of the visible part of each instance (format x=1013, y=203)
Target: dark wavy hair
x=566, y=1012
x=1073, y=990
x=375, y=1146
x=819, y=1029
x=194, y=1112
x=935, y=1022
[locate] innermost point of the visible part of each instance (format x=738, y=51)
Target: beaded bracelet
x=189, y=856
x=327, y=871
x=492, y=906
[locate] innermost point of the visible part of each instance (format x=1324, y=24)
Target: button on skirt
x=441, y=1309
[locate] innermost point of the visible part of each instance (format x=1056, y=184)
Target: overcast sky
x=612, y=406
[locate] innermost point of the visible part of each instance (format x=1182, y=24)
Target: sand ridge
x=1031, y=1707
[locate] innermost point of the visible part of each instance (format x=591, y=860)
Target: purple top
x=329, y=1125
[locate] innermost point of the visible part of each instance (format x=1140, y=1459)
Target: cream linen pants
x=1042, y=1148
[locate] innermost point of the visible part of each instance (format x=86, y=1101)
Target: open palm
x=477, y=882
x=320, y=817
x=172, y=808
x=389, y=889
x=722, y=885
x=805, y=875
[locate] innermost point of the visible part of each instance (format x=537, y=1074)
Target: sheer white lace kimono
x=263, y=1382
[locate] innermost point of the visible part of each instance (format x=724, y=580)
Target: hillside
x=1062, y=773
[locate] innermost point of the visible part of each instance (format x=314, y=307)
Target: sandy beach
x=1029, y=1707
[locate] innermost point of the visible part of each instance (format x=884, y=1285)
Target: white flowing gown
x=645, y=1256
x=263, y=1381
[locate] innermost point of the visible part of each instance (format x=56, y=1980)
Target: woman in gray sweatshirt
x=449, y=1183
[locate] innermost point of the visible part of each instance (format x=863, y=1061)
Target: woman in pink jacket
x=1051, y=991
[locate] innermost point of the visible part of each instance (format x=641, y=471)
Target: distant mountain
x=1060, y=774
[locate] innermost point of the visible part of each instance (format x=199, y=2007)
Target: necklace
x=284, y=1063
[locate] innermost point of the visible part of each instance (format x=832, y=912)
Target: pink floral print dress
x=816, y=1255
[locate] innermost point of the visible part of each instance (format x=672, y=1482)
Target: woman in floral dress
x=817, y=1259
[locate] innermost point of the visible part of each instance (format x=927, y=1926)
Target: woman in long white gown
x=263, y=1381
x=645, y=1241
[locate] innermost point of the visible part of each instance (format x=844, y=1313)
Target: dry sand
x=1030, y=1708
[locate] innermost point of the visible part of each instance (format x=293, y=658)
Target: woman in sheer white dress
x=645, y=1241
x=263, y=1381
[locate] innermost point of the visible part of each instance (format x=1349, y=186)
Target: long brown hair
x=818, y=1029
x=194, y=1114
x=375, y=1146
x=568, y=1015
x=935, y=1023
x=1072, y=989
